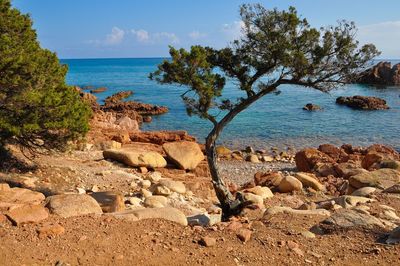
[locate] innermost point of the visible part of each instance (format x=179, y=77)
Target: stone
x=175, y=186
x=208, y=241
x=67, y=205
x=162, y=190
x=110, y=144
x=289, y=184
x=311, y=107
x=263, y=192
x=145, y=184
x=391, y=164
x=364, y=191
x=351, y=201
x=254, y=199
x=145, y=193
x=309, y=181
x=348, y=169
x=276, y=209
x=153, y=177
x=252, y=158
x=134, y=201
x=160, y=137
x=267, y=179
x=185, y=154
x=325, y=169
x=50, y=230
x=109, y=201
x=244, y=234
x=381, y=178
x=155, y=202
x=143, y=170
x=393, y=189
x=348, y=218
x=4, y=187
x=20, y=196
x=136, y=159
x=27, y=214
x=371, y=159
x=380, y=74
x=223, y=151
x=249, y=149
x=127, y=123
x=267, y=158
x=363, y=102
x=394, y=236
x=307, y=234
x=167, y=213
x=204, y=219
x=307, y=159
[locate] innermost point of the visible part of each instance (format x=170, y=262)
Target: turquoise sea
x=276, y=120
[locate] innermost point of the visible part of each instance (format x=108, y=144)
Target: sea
x=277, y=120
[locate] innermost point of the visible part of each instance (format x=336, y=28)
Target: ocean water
x=275, y=120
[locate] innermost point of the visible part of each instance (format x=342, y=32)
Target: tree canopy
x=37, y=108
x=276, y=48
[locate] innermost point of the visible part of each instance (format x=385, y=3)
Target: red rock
x=208, y=241
x=160, y=137
x=27, y=214
x=109, y=201
x=381, y=74
x=50, y=230
x=267, y=179
x=306, y=159
x=234, y=226
x=3, y=218
x=363, y=102
x=370, y=159
x=334, y=152
x=244, y=235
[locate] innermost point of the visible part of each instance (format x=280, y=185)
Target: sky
x=145, y=28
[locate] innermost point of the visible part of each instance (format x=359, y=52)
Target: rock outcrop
x=363, y=102
x=160, y=137
x=381, y=74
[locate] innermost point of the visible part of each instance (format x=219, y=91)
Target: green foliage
x=37, y=108
x=276, y=48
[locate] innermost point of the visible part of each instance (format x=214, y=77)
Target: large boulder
x=149, y=159
x=308, y=158
x=381, y=74
x=348, y=218
x=167, y=213
x=289, y=184
x=382, y=178
x=67, y=205
x=186, y=155
x=363, y=102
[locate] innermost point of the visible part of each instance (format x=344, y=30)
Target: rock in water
x=136, y=159
x=311, y=107
x=363, y=102
x=381, y=74
x=68, y=205
x=185, y=154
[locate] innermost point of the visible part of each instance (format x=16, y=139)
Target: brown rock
x=363, y=102
x=244, y=235
x=267, y=179
x=186, y=155
x=208, y=241
x=381, y=74
x=160, y=137
x=20, y=196
x=27, y=214
x=136, y=159
x=50, y=230
x=98, y=90
x=306, y=159
x=68, y=205
x=289, y=184
x=333, y=152
x=382, y=178
x=109, y=201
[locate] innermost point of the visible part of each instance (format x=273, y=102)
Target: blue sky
x=145, y=28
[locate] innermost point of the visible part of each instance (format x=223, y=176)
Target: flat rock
x=167, y=213
x=149, y=159
x=20, y=196
x=351, y=201
x=277, y=209
x=364, y=191
x=185, y=154
x=208, y=241
x=155, y=202
x=175, y=186
x=68, y=205
x=382, y=178
x=289, y=184
x=50, y=230
x=204, y=219
x=109, y=201
x=309, y=181
x=27, y=214
x=393, y=189
x=347, y=218
x=263, y=192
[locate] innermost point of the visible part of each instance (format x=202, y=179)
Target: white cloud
x=115, y=37
x=196, y=35
x=233, y=30
x=166, y=36
x=385, y=35
x=141, y=35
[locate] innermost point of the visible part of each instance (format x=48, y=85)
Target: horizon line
x=163, y=57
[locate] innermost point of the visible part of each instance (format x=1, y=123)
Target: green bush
x=37, y=108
